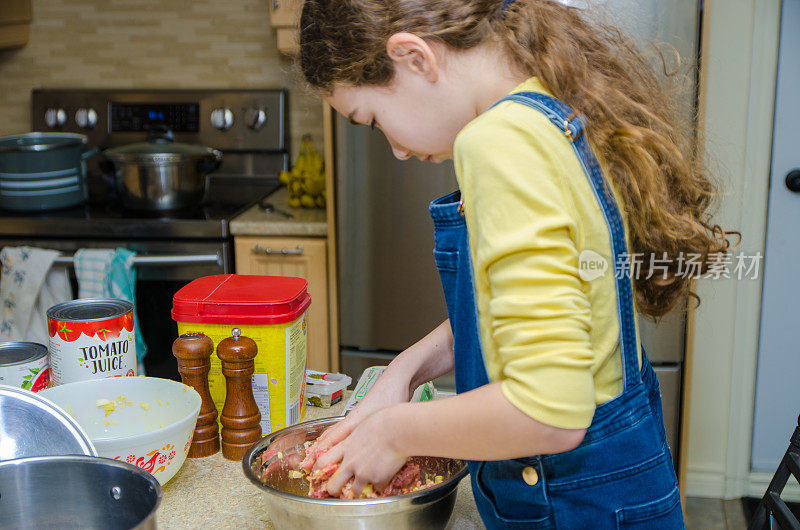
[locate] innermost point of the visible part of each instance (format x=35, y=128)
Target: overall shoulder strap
x=572, y=126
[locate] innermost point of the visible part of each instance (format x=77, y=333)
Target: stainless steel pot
x=76, y=492
x=161, y=174
x=429, y=508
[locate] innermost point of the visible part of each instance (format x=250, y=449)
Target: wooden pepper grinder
x=193, y=351
x=240, y=416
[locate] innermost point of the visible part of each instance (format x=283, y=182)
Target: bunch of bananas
x=306, y=180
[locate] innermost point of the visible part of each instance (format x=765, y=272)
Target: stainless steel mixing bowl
x=289, y=508
x=76, y=492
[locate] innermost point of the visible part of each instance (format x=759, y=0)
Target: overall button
x=530, y=476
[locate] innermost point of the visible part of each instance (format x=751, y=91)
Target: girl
x=565, y=147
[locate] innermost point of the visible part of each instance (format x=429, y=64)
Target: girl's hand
x=426, y=360
x=367, y=455
x=391, y=388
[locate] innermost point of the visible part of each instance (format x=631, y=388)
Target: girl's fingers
x=332, y=456
x=381, y=485
x=358, y=486
x=337, y=433
x=337, y=481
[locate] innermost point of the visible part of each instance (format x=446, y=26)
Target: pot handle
x=160, y=134
x=89, y=153
x=209, y=166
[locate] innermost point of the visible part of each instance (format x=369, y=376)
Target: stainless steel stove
x=249, y=127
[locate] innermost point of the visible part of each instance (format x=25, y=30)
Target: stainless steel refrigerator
x=389, y=289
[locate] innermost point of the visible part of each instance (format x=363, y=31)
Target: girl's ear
x=411, y=52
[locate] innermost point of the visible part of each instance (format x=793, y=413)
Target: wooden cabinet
x=305, y=257
x=15, y=19
x=284, y=16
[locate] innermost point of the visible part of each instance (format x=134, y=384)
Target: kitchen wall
x=740, y=63
x=151, y=44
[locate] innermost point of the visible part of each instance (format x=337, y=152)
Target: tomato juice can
x=24, y=365
x=91, y=338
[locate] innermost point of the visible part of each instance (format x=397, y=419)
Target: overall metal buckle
x=568, y=131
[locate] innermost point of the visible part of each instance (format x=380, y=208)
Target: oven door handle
x=152, y=261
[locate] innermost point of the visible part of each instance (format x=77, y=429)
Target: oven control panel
x=141, y=117
x=239, y=120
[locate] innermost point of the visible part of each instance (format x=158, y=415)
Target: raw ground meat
x=406, y=480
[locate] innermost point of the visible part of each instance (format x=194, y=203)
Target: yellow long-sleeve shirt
x=549, y=336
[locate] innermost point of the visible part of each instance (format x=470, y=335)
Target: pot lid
x=31, y=425
x=160, y=147
x=39, y=141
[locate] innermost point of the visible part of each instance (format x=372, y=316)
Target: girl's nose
x=400, y=154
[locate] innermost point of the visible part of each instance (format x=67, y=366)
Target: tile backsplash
x=151, y=44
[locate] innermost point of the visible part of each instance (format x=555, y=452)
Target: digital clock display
x=138, y=117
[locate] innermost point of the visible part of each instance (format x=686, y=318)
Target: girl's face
x=420, y=112
x=414, y=120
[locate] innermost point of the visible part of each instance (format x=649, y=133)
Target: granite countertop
x=307, y=222
x=213, y=492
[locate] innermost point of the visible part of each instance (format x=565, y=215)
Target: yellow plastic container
x=271, y=310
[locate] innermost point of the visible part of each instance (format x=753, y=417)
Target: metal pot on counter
x=76, y=491
x=160, y=173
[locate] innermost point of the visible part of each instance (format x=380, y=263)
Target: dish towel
x=29, y=286
x=109, y=273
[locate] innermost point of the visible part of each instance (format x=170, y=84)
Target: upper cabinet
x=15, y=20
x=284, y=16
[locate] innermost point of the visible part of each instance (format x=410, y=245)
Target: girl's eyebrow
x=350, y=117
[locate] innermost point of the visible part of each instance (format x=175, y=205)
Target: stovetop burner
x=228, y=196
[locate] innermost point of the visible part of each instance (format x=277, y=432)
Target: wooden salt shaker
x=240, y=416
x=193, y=351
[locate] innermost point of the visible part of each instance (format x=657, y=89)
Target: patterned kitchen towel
x=29, y=286
x=108, y=273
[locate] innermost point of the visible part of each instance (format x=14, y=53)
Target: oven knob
x=255, y=118
x=86, y=118
x=55, y=118
x=222, y=119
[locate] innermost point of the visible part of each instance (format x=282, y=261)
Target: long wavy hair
x=644, y=146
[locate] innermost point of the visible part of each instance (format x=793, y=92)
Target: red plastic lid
x=241, y=299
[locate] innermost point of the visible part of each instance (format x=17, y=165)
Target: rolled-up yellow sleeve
x=534, y=314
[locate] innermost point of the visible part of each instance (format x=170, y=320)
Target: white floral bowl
x=145, y=421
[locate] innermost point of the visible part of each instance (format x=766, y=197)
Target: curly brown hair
x=632, y=123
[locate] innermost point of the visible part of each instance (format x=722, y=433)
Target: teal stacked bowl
x=43, y=171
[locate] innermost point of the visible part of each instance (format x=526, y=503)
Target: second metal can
x=24, y=365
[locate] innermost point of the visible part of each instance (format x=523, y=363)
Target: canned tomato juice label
x=24, y=365
x=91, y=338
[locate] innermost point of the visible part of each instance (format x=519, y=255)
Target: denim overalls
x=621, y=476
